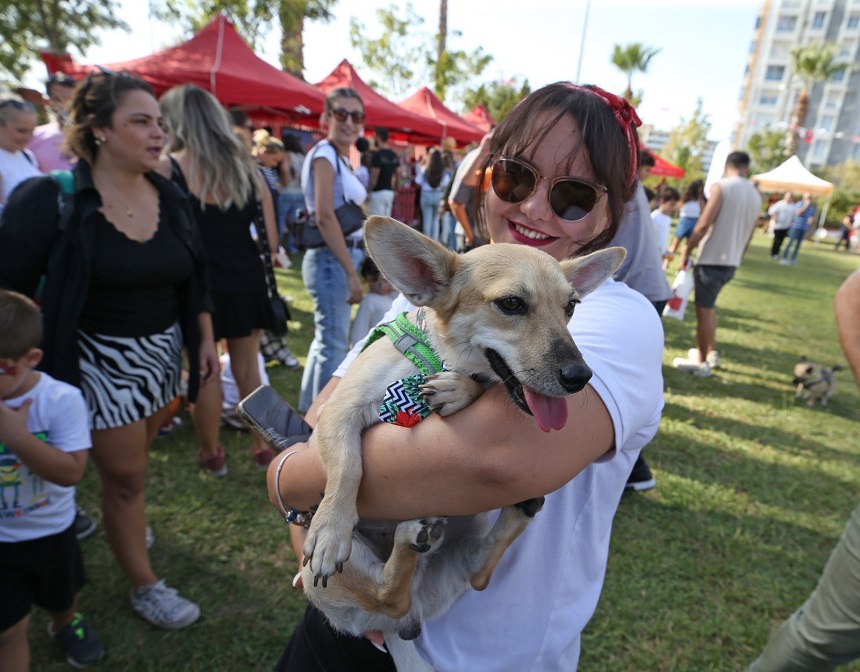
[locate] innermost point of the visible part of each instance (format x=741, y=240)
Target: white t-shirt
x=370, y=311
x=31, y=507
x=348, y=187
x=691, y=209
x=662, y=223
x=14, y=169
x=546, y=587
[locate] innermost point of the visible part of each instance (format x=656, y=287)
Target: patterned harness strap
x=403, y=404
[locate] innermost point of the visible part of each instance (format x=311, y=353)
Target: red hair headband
x=625, y=114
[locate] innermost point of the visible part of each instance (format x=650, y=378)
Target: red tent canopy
x=425, y=103
x=217, y=59
x=480, y=117
x=401, y=123
x=663, y=168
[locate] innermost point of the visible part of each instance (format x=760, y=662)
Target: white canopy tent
x=792, y=176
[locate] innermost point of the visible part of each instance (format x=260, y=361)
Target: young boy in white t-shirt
x=44, y=439
x=661, y=218
x=375, y=304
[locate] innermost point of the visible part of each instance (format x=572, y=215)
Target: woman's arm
x=269, y=218
x=210, y=365
x=486, y=456
x=329, y=227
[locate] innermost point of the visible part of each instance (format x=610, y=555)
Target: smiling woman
x=126, y=285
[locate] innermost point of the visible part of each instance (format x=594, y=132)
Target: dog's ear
x=589, y=272
x=416, y=265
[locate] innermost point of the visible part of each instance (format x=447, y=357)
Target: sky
x=703, y=46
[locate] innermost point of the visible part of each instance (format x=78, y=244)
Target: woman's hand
x=356, y=291
x=210, y=367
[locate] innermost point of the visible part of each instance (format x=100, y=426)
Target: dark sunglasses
x=570, y=198
x=341, y=114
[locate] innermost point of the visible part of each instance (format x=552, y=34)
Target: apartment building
x=831, y=132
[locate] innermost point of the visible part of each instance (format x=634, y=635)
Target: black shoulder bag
x=279, y=304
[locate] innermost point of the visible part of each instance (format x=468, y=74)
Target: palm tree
x=811, y=63
x=632, y=58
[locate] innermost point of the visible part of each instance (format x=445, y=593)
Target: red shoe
x=264, y=457
x=215, y=465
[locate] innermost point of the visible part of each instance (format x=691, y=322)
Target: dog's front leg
x=510, y=524
x=329, y=541
x=450, y=391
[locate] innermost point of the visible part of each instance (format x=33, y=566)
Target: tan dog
x=496, y=314
x=814, y=382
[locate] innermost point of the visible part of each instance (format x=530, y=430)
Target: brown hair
x=342, y=92
x=93, y=103
x=604, y=144
x=20, y=325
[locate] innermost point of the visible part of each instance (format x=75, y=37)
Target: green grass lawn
x=753, y=491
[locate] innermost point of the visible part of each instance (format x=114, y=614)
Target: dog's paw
x=328, y=545
x=450, y=391
x=530, y=507
x=421, y=535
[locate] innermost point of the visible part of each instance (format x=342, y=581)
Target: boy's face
x=17, y=375
x=668, y=207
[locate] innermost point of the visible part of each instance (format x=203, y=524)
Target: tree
x=29, y=25
x=405, y=55
x=811, y=63
x=687, y=144
x=498, y=97
x=766, y=150
x=629, y=59
x=252, y=19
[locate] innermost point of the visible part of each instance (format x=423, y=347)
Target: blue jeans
x=288, y=203
x=326, y=282
x=795, y=238
x=430, y=212
x=449, y=238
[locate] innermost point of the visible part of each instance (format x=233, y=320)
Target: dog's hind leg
x=510, y=524
x=387, y=588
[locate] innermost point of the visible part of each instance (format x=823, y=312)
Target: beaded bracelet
x=291, y=516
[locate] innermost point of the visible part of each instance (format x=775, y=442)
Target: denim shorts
x=708, y=281
x=685, y=227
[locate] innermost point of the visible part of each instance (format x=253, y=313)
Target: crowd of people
x=131, y=276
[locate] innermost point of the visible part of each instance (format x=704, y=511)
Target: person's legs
x=121, y=456
x=14, y=647
x=778, y=239
x=387, y=201
x=706, y=331
x=825, y=631
x=790, y=252
x=376, y=203
x=326, y=283
x=797, y=236
x=246, y=371
x=206, y=415
x=429, y=212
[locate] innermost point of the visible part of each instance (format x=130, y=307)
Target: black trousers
x=779, y=236
x=316, y=647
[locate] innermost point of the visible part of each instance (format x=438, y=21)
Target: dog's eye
x=512, y=305
x=570, y=307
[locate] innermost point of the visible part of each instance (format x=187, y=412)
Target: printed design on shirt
x=16, y=499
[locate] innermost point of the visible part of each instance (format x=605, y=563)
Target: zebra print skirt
x=127, y=379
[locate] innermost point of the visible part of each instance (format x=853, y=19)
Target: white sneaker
x=163, y=606
x=713, y=358
x=694, y=366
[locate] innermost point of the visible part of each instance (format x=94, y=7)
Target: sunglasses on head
x=570, y=198
x=341, y=114
x=18, y=104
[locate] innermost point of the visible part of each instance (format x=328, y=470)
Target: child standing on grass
x=661, y=218
x=375, y=303
x=44, y=439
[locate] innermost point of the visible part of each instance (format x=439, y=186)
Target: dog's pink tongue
x=550, y=412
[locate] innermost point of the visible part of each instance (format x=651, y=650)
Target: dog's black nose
x=574, y=377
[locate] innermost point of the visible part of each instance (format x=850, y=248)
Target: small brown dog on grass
x=814, y=382
x=497, y=314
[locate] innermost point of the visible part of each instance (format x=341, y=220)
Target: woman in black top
x=126, y=287
x=226, y=189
